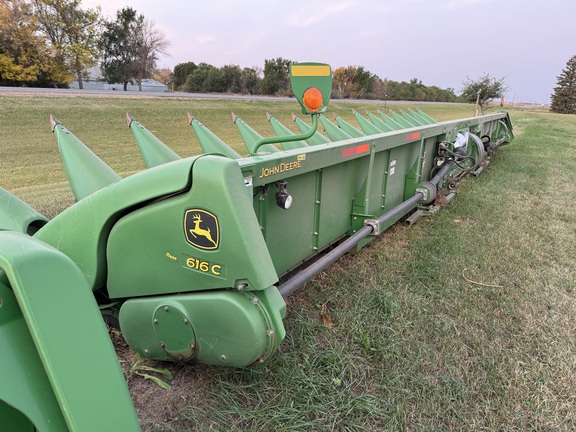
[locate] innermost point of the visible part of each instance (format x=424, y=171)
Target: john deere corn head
x=192, y=257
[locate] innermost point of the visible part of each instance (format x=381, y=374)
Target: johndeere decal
x=201, y=229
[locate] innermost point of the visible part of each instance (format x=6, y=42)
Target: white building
x=96, y=82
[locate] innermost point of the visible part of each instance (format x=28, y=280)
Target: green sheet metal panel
x=209, y=142
x=224, y=327
x=206, y=237
x=154, y=152
x=45, y=281
x=24, y=385
x=288, y=233
x=16, y=215
x=86, y=172
x=340, y=184
x=92, y=218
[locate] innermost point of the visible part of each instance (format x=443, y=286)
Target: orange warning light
x=312, y=99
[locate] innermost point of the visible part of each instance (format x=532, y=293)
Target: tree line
x=47, y=43
x=353, y=82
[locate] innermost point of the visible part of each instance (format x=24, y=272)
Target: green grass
x=412, y=344
x=30, y=164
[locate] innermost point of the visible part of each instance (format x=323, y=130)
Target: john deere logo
x=201, y=229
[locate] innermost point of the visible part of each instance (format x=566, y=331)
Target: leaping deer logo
x=203, y=232
x=201, y=229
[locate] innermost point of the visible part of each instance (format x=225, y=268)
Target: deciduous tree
x=181, y=72
x=231, y=75
x=352, y=82
x=195, y=82
x=276, y=76
x=118, y=46
x=484, y=89
x=26, y=57
x=149, y=41
x=249, y=81
x=564, y=97
x=72, y=32
x=163, y=75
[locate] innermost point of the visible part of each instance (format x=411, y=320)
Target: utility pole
x=477, y=102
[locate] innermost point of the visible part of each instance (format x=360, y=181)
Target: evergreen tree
x=564, y=97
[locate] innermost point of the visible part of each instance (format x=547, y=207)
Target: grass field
x=410, y=344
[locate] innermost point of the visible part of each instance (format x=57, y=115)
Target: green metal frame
x=189, y=254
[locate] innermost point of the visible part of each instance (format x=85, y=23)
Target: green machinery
x=192, y=257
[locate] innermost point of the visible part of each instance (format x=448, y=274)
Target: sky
x=440, y=42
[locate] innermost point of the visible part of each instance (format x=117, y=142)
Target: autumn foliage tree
x=26, y=55
x=163, y=75
x=352, y=82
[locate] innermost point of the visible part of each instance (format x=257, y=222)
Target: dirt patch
x=160, y=409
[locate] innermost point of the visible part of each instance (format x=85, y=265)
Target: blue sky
x=439, y=42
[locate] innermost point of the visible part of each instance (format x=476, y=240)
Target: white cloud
x=460, y=4
x=308, y=17
x=205, y=39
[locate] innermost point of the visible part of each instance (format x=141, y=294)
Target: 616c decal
x=204, y=266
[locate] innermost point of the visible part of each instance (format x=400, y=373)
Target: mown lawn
x=464, y=321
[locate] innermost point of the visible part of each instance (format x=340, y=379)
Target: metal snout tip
x=190, y=118
x=268, y=116
x=234, y=117
x=129, y=119
x=294, y=117
x=53, y=122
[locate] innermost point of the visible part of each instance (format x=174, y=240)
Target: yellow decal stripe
x=320, y=70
